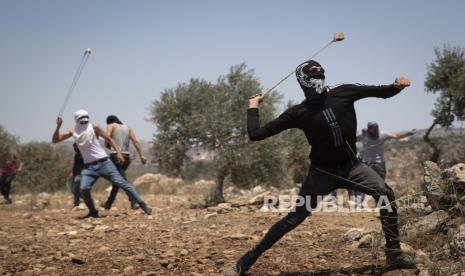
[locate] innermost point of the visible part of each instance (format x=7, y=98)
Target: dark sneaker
x=8, y=201
x=396, y=259
x=106, y=206
x=242, y=265
x=134, y=205
x=90, y=215
x=145, y=208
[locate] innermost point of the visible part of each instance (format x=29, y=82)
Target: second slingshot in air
x=77, y=75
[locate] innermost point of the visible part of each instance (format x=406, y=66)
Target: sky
x=141, y=48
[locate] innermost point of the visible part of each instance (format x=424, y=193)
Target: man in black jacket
x=327, y=117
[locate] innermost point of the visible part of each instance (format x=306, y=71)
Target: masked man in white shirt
x=96, y=161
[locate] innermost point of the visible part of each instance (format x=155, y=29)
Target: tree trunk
x=216, y=196
x=434, y=157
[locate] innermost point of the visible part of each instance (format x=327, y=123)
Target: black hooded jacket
x=330, y=126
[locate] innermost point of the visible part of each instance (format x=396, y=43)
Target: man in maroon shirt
x=9, y=171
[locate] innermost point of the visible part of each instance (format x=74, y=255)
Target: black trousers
x=122, y=167
x=319, y=182
x=5, y=185
x=75, y=189
x=379, y=168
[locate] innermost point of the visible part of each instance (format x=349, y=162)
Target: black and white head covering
x=312, y=82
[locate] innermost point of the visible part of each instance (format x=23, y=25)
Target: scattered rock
x=421, y=257
x=78, y=260
x=239, y=237
x=407, y=249
x=353, y=234
x=258, y=190
x=27, y=215
x=102, y=228
x=210, y=215
x=428, y=224
x=457, y=245
x=87, y=226
x=259, y=199
x=366, y=241
x=129, y=270
x=225, y=207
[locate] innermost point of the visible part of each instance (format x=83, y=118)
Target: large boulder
x=428, y=224
x=445, y=190
x=433, y=187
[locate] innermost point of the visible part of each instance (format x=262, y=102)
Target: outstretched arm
x=57, y=136
x=358, y=92
x=401, y=135
x=132, y=136
x=257, y=133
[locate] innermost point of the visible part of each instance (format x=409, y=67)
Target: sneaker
x=396, y=259
x=242, y=265
x=134, y=205
x=90, y=215
x=7, y=201
x=145, y=208
x=106, y=206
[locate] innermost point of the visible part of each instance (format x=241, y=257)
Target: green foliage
x=45, y=170
x=447, y=76
x=213, y=117
x=8, y=145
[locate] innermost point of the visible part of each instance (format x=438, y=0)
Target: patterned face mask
x=317, y=84
x=311, y=81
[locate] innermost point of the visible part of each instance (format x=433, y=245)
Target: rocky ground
x=41, y=235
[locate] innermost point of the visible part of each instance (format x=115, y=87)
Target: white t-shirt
x=88, y=143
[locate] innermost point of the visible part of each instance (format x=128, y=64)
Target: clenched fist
x=255, y=100
x=401, y=82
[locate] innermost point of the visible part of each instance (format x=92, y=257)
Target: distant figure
x=9, y=171
x=96, y=161
x=122, y=135
x=372, y=154
x=78, y=165
x=373, y=146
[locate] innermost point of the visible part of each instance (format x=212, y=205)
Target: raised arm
x=57, y=136
x=257, y=133
x=358, y=92
x=135, y=142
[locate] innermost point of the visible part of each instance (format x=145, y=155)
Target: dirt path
x=175, y=240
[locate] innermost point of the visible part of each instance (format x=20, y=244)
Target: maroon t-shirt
x=10, y=168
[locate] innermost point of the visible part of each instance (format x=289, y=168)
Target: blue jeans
x=107, y=170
